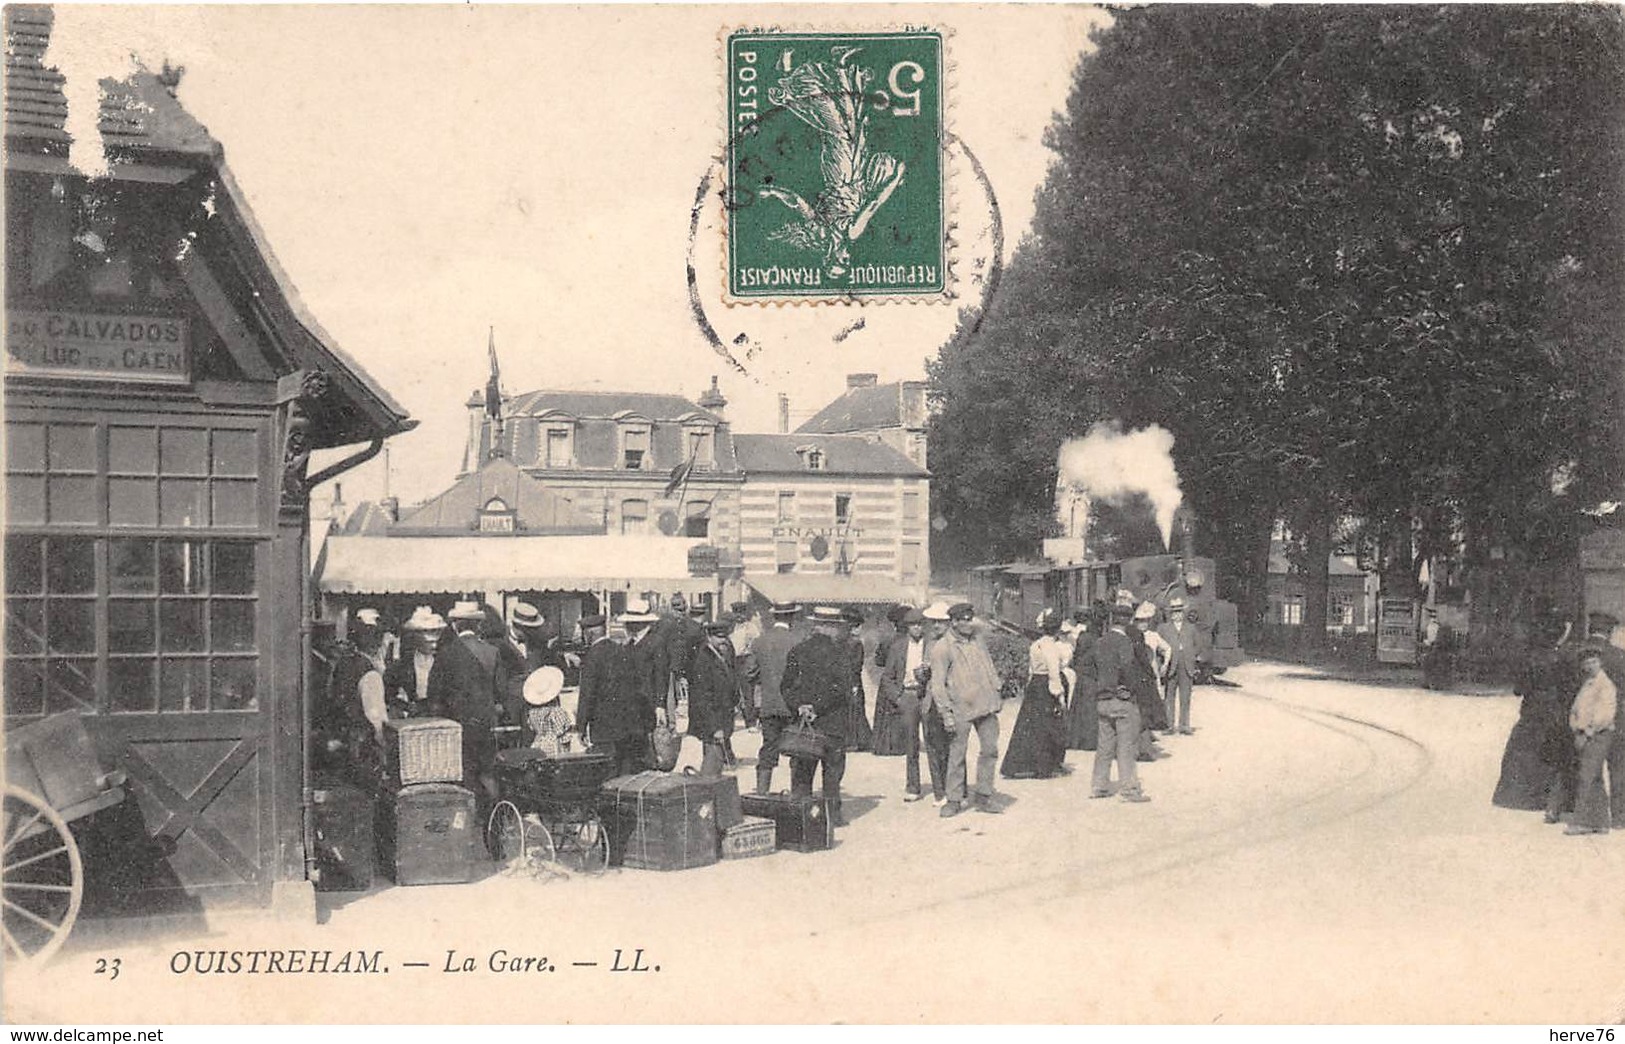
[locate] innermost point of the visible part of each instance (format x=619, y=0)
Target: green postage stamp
x=836, y=184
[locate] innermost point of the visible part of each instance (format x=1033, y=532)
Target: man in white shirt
x=905, y=681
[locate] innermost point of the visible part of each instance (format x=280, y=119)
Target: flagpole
x=688, y=469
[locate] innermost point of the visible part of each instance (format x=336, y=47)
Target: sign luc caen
x=91, y=346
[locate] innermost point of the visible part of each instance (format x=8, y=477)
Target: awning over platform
x=861, y=589
x=387, y=565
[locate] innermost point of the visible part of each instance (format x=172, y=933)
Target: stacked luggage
x=661, y=821
x=802, y=821
x=343, y=822
x=427, y=821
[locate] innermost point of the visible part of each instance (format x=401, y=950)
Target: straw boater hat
x=827, y=614
x=466, y=610
x=785, y=608
x=543, y=686
x=1145, y=611
x=368, y=617
x=1176, y=602
x=637, y=611
x=526, y=615
x=424, y=619
x=935, y=611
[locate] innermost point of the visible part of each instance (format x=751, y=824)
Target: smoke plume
x=1110, y=464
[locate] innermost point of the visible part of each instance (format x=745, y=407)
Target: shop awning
x=426, y=565
x=861, y=589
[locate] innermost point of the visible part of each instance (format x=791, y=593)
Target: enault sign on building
x=164, y=390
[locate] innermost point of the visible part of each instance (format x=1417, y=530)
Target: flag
x=493, y=387
x=679, y=477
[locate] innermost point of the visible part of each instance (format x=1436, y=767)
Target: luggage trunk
x=725, y=790
x=343, y=819
x=752, y=837
x=427, y=834
x=529, y=775
x=802, y=820
x=660, y=821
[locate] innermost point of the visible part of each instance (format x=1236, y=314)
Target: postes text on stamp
x=835, y=165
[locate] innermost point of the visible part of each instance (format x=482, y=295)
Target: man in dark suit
x=713, y=689
x=1105, y=673
x=406, y=681
x=467, y=684
x=817, y=684
x=613, y=713
x=768, y=657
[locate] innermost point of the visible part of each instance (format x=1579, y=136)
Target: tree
x=1360, y=260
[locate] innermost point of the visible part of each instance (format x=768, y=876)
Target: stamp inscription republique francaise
x=835, y=165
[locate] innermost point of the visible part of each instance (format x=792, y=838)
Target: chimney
x=335, y=508
x=391, y=507
x=711, y=399
x=861, y=380
x=784, y=414
x=473, y=450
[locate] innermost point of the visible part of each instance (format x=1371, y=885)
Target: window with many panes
x=634, y=517
x=157, y=476
x=111, y=605
x=787, y=506
x=843, y=508
x=176, y=620
x=785, y=554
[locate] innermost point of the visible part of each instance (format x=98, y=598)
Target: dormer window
x=702, y=443
x=699, y=440
x=812, y=457
x=635, y=442
x=555, y=439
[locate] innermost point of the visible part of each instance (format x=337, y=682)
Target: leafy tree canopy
x=1359, y=260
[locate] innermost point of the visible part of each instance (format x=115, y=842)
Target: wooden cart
x=53, y=778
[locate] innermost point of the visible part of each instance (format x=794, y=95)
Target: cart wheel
x=539, y=844
x=43, y=879
x=594, y=842
x=505, y=833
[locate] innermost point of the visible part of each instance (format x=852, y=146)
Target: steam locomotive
x=1014, y=594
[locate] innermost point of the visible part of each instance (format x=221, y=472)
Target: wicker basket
x=753, y=837
x=423, y=750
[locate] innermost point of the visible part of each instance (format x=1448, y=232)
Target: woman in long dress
x=1038, y=741
x=860, y=736
x=1539, y=748
x=1082, y=721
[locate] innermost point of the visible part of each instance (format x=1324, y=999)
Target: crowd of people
x=1567, y=737
x=1106, y=679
